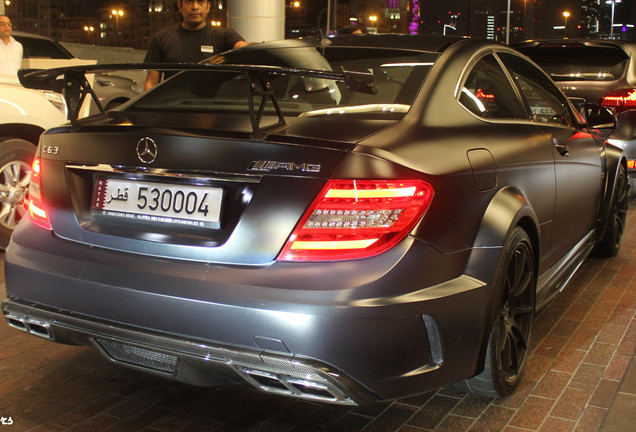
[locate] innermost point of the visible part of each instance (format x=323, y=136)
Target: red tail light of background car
x=620, y=100
x=352, y=219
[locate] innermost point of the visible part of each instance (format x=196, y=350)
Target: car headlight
x=57, y=100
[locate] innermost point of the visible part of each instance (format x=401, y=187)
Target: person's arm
x=153, y=55
x=240, y=44
x=152, y=79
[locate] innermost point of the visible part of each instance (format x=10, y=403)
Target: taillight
x=631, y=164
x=353, y=219
x=37, y=209
x=620, y=100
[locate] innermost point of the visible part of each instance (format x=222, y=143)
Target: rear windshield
x=398, y=76
x=579, y=62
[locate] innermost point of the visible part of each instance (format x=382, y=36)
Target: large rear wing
x=72, y=83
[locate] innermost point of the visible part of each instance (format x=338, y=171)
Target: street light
x=117, y=13
x=88, y=30
x=508, y=24
x=373, y=19
x=613, y=3
x=566, y=14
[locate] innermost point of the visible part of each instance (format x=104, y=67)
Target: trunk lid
x=259, y=188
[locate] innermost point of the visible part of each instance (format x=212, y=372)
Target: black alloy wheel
x=512, y=316
x=513, y=326
x=612, y=239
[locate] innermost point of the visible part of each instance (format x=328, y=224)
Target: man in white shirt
x=10, y=49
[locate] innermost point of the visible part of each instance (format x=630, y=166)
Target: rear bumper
x=203, y=364
x=286, y=328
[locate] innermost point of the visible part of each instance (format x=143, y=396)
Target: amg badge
x=266, y=166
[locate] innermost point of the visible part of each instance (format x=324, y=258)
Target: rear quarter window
x=487, y=92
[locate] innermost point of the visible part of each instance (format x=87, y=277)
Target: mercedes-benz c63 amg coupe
x=368, y=219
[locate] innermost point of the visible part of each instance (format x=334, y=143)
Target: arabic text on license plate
x=158, y=202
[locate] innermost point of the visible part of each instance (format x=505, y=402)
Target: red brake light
x=620, y=100
x=481, y=95
x=353, y=219
x=37, y=209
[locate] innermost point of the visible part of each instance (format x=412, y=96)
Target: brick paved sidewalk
x=583, y=343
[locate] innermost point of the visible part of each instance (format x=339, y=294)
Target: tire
x=16, y=158
x=511, y=320
x=612, y=239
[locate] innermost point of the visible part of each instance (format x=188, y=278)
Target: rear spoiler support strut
x=76, y=88
x=260, y=86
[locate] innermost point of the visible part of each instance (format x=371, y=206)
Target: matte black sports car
x=362, y=221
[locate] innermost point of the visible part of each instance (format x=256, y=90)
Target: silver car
x=112, y=90
x=602, y=72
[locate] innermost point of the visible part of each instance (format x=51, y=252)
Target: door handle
x=564, y=150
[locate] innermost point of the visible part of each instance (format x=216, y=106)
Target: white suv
x=24, y=115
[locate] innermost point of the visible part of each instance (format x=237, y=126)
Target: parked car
x=367, y=225
x=112, y=90
x=601, y=72
x=24, y=115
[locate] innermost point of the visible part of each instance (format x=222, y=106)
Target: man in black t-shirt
x=191, y=41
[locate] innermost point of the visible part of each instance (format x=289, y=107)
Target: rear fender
x=614, y=157
x=507, y=209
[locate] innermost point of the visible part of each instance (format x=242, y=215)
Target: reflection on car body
x=362, y=245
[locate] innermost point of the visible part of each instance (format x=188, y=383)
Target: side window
x=546, y=102
x=42, y=48
x=488, y=93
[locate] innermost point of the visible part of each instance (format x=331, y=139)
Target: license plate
x=198, y=206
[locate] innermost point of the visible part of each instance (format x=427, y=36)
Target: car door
x=515, y=146
x=578, y=168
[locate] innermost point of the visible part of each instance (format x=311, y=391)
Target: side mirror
x=625, y=126
x=599, y=117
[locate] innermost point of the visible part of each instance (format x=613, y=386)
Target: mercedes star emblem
x=146, y=150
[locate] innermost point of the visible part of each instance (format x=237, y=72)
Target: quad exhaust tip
x=34, y=326
x=287, y=385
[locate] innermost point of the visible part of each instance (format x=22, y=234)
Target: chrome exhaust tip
x=284, y=384
x=16, y=321
x=34, y=326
